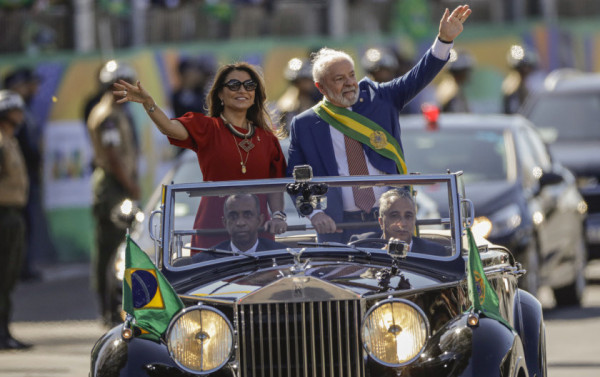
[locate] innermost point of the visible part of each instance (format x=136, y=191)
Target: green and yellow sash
x=362, y=129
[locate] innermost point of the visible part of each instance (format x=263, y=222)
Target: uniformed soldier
x=450, y=91
x=114, y=142
x=380, y=64
x=301, y=94
x=522, y=63
x=14, y=187
x=38, y=242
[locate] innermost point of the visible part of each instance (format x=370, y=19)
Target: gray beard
x=340, y=99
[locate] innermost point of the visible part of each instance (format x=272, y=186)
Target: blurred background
x=65, y=42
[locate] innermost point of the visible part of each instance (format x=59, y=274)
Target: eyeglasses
x=235, y=85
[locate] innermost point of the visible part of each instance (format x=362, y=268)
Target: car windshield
x=567, y=116
x=220, y=219
x=480, y=154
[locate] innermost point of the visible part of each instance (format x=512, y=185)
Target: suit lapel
x=324, y=146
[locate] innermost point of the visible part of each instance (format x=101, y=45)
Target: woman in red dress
x=235, y=141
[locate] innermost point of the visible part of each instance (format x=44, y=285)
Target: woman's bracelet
x=279, y=215
x=151, y=108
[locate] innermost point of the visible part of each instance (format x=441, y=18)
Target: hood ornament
x=299, y=267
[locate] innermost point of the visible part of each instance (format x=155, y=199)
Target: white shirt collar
x=251, y=250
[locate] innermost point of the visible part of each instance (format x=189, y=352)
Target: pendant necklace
x=246, y=143
x=242, y=162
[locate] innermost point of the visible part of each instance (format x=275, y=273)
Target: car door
x=550, y=216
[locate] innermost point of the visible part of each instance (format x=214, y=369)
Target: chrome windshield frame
x=279, y=185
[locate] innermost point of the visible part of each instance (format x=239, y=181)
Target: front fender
x=489, y=349
x=112, y=356
x=529, y=322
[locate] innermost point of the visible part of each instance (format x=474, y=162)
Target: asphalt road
x=59, y=316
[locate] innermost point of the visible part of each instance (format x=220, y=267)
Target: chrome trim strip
x=269, y=340
x=348, y=357
x=304, y=348
x=339, y=336
x=261, y=337
x=313, y=339
x=322, y=335
x=278, y=332
x=330, y=336
x=287, y=336
x=252, y=338
x=244, y=366
x=297, y=346
x=356, y=311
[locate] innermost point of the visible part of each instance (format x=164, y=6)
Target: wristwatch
x=279, y=215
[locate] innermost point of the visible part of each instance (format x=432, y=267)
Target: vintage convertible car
x=369, y=307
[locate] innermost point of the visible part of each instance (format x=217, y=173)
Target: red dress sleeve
x=199, y=127
x=277, y=162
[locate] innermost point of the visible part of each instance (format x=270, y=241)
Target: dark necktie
x=364, y=198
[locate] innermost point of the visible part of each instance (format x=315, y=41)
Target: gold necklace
x=242, y=162
x=246, y=142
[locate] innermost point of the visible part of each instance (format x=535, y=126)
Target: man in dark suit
x=242, y=219
x=398, y=218
x=355, y=129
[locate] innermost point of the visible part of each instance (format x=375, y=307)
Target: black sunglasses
x=235, y=85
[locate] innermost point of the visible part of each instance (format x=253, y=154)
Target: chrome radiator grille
x=304, y=339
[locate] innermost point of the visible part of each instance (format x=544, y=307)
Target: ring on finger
x=125, y=93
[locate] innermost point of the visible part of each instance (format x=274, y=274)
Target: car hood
x=323, y=280
x=582, y=158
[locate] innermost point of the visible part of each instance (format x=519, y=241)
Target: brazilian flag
x=147, y=295
x=482, y=295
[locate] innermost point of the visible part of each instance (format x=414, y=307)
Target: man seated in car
x=398, y=219
x=242, y=219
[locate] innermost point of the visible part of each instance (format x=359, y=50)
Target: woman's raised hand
x=125, y=92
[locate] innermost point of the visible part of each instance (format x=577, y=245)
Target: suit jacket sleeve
x=403, y=89
x=295, y=153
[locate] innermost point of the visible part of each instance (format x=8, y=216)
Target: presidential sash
x=363, y=130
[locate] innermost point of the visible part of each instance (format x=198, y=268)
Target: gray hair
x=323, y=58
x=389, y=197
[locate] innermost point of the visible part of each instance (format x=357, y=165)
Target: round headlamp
x=394, y=332
x=200, y=339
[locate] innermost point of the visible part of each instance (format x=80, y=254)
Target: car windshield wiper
x=335, y=244
x=225, y=252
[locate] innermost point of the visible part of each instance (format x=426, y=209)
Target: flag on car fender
x=482, y=295
x=147, y=295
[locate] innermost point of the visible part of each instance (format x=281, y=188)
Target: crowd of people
x=224, y=116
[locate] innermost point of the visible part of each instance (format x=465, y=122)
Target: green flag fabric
x=482, y=295
x=147, y=295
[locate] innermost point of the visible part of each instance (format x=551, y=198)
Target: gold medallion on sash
x=378, y=140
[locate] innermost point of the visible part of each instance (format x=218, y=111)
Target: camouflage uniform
x=110, y=127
